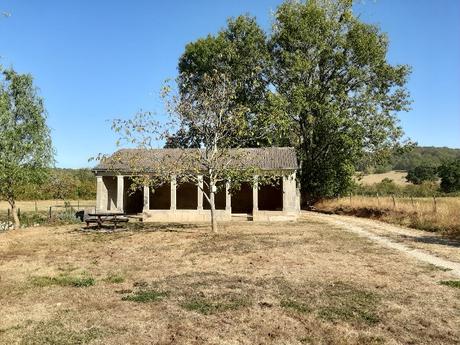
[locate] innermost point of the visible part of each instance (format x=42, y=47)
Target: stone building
x=173, y=202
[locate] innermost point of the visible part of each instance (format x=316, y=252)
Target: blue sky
x=97, y=60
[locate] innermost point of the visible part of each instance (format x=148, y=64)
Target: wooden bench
x=105, y=218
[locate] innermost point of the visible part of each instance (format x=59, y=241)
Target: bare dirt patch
x=290, y=283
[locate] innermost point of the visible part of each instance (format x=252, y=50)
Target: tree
x=339, y=92
x=421, y=174
x=240, y=52
x=449, y=172
x=218, y=124
x=25, y=143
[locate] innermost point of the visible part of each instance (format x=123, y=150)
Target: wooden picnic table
x=106, y=217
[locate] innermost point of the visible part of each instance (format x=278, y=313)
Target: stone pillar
x=120, y=192
x=285, y=191
x=290, y=196
x=200, y=192
x=101, y=194
x=146, y=198
x=99, y=184
x=228, y=197
x=255, y=195
x=173, y=192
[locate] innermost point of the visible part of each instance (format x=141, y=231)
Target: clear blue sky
x=97, y=60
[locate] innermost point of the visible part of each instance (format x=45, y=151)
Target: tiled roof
x=270, y=158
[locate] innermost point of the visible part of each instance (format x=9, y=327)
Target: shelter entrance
x=134, y=200
x=242, y=199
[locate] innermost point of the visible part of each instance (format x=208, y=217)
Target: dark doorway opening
x=187, y=196
x=160, y=197
x=242, y=199
x=270, y=198
x=134, y=200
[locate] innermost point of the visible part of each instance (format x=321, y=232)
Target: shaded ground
x=304, y=283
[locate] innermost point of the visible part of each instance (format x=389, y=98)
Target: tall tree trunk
x=14, y=210
x=213, y=209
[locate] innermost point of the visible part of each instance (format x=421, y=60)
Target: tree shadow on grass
x=144, y=227
x=433, y=240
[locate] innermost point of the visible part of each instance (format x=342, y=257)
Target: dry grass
x=292, y=283
x=398, y=177
x=440, y=214
x=44, y=205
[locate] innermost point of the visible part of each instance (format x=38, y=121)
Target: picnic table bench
x=99, y=218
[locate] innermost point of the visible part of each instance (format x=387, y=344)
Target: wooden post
x=19, y=213
x=350, y=198
x=50, y=213
x=36, y=208
x=394, y=201
x=78, y=205
x=8, y=220
x=378, y=200
x=435, y=206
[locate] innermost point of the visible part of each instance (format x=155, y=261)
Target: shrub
x=449, y=173
x=421, y=174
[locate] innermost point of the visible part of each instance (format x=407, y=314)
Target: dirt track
x=424, y=246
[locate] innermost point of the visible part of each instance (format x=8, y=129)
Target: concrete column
x=200, y=192
x=255, y=195
x=99, y=191
x=173, y=192
x=290, y=196
x=228, y=198
x=102, y=194
x=284, y=182
x=120, y=192
x=146, y=198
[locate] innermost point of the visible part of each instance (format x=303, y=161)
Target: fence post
x=50, y=213
x=350, y=198
x=378, y=200
x=19, y=213
x=435, y=206
x=8, y=220
x=36, y=208
x=394, y=201
x=78, y=205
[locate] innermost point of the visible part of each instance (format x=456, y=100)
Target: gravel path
x=384, y=234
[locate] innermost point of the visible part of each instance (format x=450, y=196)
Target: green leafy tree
x=421, y=174
x=25, y=143
x=239, y=51
x=449, y=173
x=339, y=92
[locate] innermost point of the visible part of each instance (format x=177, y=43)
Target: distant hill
x=420, y=155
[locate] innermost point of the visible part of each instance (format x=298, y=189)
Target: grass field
x=287, y=283
x=440, y=214
x=44, y=205
x=398, y=177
